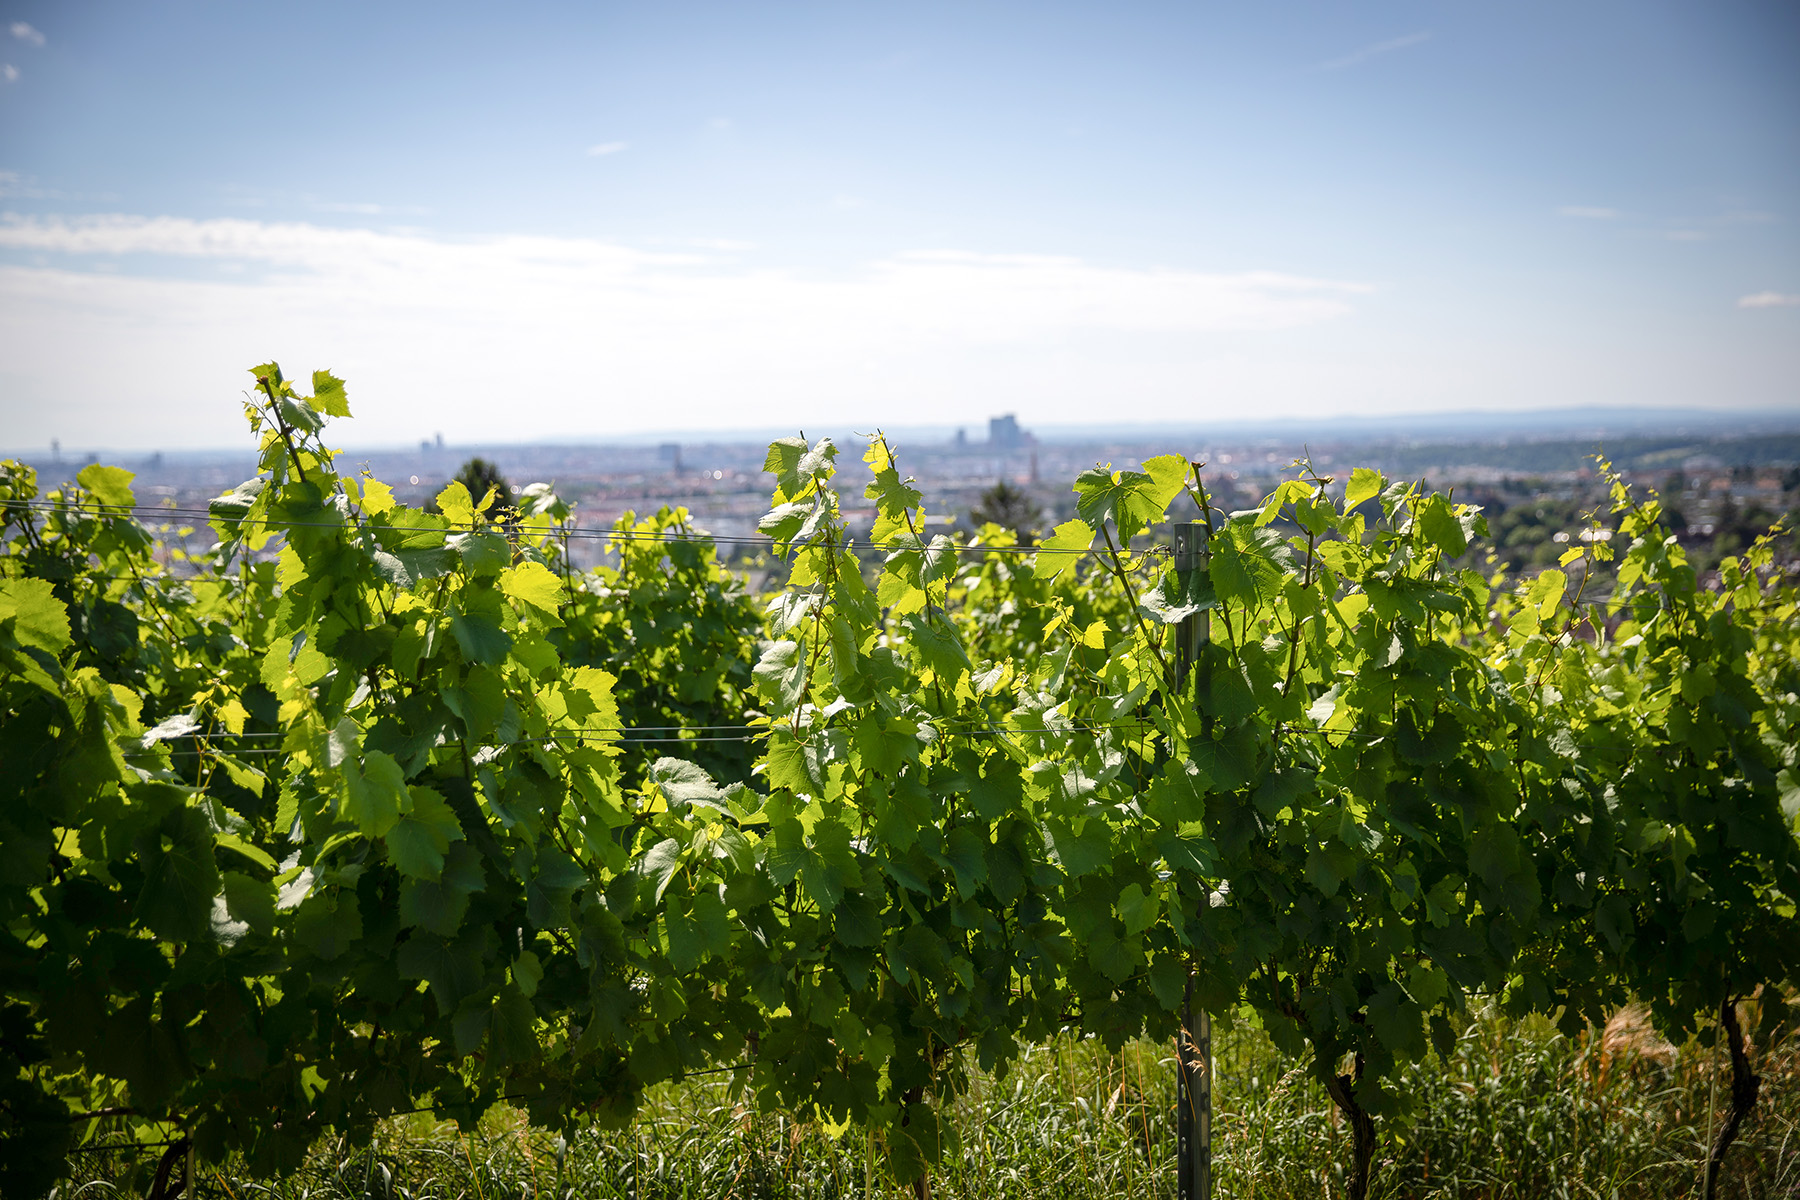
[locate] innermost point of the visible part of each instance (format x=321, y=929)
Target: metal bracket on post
x=1193, y=1120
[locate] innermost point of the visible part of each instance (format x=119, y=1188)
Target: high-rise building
x=1004, y=433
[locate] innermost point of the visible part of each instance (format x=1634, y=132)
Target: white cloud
x=9, y=73
x=582, y=336
x=369, y=210
x=1367, y=52
x=26, y=33
x=605, y=148
x=1588, y=214
x=1769, y=300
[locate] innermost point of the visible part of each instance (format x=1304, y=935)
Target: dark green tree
x=1008, y=506
x=479, y=475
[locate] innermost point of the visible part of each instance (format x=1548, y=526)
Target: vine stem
x=281, y=427
x=1211, y=533
x=1287, y=683
x=1131, y=592
x=936, y=688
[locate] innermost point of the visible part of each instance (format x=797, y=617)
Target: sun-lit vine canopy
x=373, y=808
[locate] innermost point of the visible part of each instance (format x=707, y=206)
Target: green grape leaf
x=783, y=461
x=684, y=783
x=696, y=932
x=299, y=416
x=554, y=882
x=1133, y=499
x=250, y=900
x=480, y=638
x=111, y=486
x=1175, y=599
x=226, y=840
x=511, y=1026
x=1247, y=564
x=328, y=395
x=913, y=1143
x=373, y=793
x=532, y=583
x=1168, y=476
x=939, y=650
x=484, y=552
x=1168, y=981
x=456, y=504
x=180, y=877
x=780, y=673
x=783, y=522
x=328, y=922
x=1364, y=484
x=659, y=864
x=1083, y=853
x=1397, y=1021
x=439, y=905
x=418, y=841
x=1230, y=761
x=1788, y=783
x=377, y=497
x=1440, y=526
x=453, y=970
x=795, y=766
x=892, y=495
x=38, y=618
x=1138, y=909
x=229, y=510
x=1062, y=549
x=527, y=973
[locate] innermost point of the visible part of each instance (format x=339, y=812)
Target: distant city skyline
x=591, y=222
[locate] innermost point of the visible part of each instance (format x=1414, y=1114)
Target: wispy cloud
x=15, y=185
x=1586, y=213
x=26, y=33
x=1769, y=300
x=691, y=332
x=9, y=73
x=368, y=210
x=1367, y=52
x=605, y=148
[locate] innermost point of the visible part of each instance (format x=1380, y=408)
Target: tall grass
x=1517, y=1110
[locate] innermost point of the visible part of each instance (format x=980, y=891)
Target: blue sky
x=582, y=220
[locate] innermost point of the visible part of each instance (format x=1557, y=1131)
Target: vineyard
x=372, y=811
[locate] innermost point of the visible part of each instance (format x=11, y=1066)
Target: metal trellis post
x=1193, y=1091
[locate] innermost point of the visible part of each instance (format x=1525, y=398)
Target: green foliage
x=1010, y=508
x=388, y=807
x=485, y=486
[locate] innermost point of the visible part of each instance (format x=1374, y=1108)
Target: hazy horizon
x=1523, y=426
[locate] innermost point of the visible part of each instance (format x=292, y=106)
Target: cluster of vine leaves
x=976, y=810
